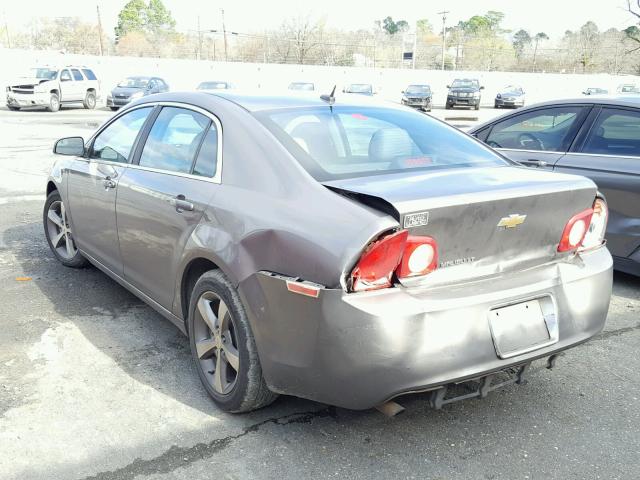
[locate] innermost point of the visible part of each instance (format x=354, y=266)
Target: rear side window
x=207, y=160
x=89, y=74
x=115, y=142
x=345, y=142
x=548, y=129
x=615, y=132
x=76, y=74
x=174, y=140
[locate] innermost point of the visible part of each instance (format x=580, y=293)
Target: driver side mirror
x=69, y=146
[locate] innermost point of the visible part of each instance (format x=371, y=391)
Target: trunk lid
x=485, y=220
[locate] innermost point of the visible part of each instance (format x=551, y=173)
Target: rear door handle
x=536, y=163
x=181, y=204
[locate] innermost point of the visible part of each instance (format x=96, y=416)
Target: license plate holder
x=523, y=327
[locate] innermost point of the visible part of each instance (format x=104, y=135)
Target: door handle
x=537, y=163
x=181, y=204
x=108, y=183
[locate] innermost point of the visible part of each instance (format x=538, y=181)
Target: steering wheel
x=527, y=140
x=493, y=144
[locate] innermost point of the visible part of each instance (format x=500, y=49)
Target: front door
x=162, y=199
x=92, y=188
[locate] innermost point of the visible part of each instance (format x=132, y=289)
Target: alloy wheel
x=59, y=231
x=216, y=343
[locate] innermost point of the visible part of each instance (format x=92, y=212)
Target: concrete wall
x=186, y=74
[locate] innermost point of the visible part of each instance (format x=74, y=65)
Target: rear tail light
x=596, y=231
x=575, y=230
x=399, y=253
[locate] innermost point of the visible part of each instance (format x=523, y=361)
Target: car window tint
x=65, y=75
x=615, y=132
x=89, y=74
x=547, y=129
x=76, y=74
x=207, y=160
x=174, y=140
x=115, y=142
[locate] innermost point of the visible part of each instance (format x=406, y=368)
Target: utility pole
x=415, y=47
x=199, y=40
x=100, y=30
x=224, y=34
x=444, y=33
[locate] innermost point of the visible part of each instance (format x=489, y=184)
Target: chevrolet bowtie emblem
x=512, y=221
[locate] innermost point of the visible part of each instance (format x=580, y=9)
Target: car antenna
x=330, y=99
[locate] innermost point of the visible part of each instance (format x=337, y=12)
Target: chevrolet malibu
x=343, y=251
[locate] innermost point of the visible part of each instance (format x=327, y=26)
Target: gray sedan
x=343, y=251
x=598, y=138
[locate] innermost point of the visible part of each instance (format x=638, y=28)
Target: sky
x=553, y=17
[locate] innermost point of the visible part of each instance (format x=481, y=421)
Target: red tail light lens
x=377, y=264
x=420, y=257
x=575, y=230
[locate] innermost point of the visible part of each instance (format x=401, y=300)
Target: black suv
x=464, y=92
x=417, y=96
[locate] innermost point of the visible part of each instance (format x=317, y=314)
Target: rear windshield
x=346, y=142
x=213, y=86
x=360, y=88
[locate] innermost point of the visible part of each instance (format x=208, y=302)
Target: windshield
x=213, y=86
x=45, y=73
x=465, y=84
x=301, y=86
x=418, y=89
x=134, y=82
x=512, y=89
x=346, y=142
x=360, y=88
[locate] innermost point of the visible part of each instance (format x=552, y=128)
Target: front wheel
x=54, y=103
x=477, y=107
x=59, y=234
x=223, y=347
x=89, y=100
x=114, y=109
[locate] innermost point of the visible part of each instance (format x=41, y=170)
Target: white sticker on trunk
x=416, y=219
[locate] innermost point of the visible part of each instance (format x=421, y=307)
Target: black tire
x=89, y=100
x=477, y=107
x=495, y=105
x=250, y=391
x=13, y=108
x=54, y=103
x=447, y=107
x=76, y=261
x=114, y=109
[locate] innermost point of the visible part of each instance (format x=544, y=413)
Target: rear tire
x=114, y=109
x=89, y=100
x=233, y=390
x=54, y=103
x=57, y=230
x=13, y=108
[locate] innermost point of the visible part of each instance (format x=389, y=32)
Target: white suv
x=51, y=87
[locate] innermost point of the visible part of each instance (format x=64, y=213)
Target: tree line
x=147, y=28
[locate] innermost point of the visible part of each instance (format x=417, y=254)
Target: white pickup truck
x=51, y=87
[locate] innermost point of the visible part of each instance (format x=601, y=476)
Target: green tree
x=424, y=27
x=132, y=18
x=540, y=36
x=521, y=40
x=391, y=27
x=633, y=32
x=159, y=19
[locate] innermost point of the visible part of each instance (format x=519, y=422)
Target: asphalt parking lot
x=95, y=385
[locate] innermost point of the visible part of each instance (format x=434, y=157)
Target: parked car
x=372, y=251
x=214, y=85
x=595, y=91
x=628, y=89
x=359, y=89
x=417, y=96
x=510, y=96
x=132, y=88
x=595, y=137
x=50, y=87
x=464, y=92
x=302, y=86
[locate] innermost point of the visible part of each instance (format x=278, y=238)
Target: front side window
x=115, y=142
x=344, y=142
x=615, y=132
x=77, y=76
x=549, y=129
x=174, y=140
x=65, y=76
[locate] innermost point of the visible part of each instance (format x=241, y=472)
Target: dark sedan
x=417, y=96
x=598, y=138
x=132, y=88
x=342, y=250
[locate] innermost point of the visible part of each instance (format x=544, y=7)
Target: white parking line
x=22, y=198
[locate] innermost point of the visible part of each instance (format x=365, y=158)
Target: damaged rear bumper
x=360, y=350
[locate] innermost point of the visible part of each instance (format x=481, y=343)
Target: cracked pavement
x=95, y=385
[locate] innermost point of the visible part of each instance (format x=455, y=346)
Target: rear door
x=537, y=137
x=93, y=183
x=161, y=199
x=609, y=154
x=78, y=85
